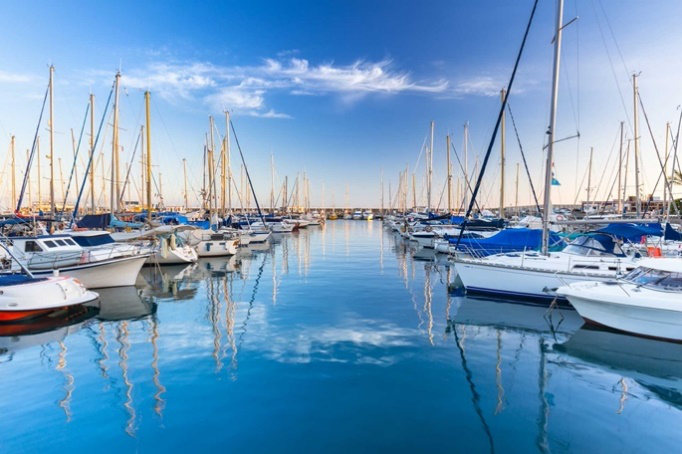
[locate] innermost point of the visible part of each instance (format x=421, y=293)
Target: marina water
x=336, y=338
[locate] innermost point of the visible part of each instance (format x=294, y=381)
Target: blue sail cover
x=508, y=240
x=105, y=221
x=672, y=234
x=632, y=232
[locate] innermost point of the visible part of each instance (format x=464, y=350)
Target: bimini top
x=671, y=265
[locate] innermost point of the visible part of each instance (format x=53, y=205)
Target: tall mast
x=184, y=171
x=547, y=206
x=638, y=200
x=516, y=197
x=61, y=179
x=223, y=177
x=92, y=153
x=75, y=156
x=414, y=192
x=211, y=172
x=466, y=165
x=620, y=171
x=40, y=193
x=228, y=163
x=272, y=183
x=666, y=205
x=14, y=183
x=381, y=184
x=149, y=152
x=429, y=172
x=589, y=176
x=113, y=186
x=28, y=183
x=285, y=200
x=447, y=154
x=143, y=169
x=52, y=206
x=503, y=94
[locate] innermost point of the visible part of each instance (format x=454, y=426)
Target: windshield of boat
x=657, y=279
x=590, y=247
x=94, y=240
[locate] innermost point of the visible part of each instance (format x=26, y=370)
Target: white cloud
x=6, y=77
x=244, y=89
x=480, y=86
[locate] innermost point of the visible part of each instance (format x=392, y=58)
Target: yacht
x=103, y=265
x=170, y=249
x=645, y=302
x=534, y=276
x=357, y=215
x=211, y=244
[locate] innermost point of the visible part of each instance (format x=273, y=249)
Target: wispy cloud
x=244, y=89
x=480, y=86
x=15, y=78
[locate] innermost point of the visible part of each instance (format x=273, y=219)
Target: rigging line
x=658, y=155
x=75, y=157
x=466, y=179
x=33, y=149
x=130, y=167
x=497, y=124
x=613, y=69
x=608, y=161
x=523, y=156
x=94, y=147
x=613, y=36
x=236, y=140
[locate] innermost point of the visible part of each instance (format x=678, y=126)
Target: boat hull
x=116, y=272
x=518, y=283
x=620, y=312
x=218, y=248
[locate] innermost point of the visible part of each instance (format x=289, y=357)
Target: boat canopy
x=632, y=232
x=508, y=240
x=595, y=244
x=105, y=221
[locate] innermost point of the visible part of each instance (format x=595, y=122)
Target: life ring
x=560, y=217
x=428, y=228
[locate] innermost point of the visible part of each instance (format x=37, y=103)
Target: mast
x=184, y=171
x=503, y=95
x=28, y=183
x=211, y=170
x=113, y=185
x=447, y=154
x=429, y=172
x=466, y=165
x=285, y=200
x=272, y=183
x=40, y=194
x=589, y=175
x=516, y=197
x=414, y=192
x=223, y=177
x=382, y=191
x=547, y=206
x=142, y=168
x=75, y=157
x=14, y=183
x=149, y=153
x=92, y=152
x=638, y=200
x=666, y=205
x=52, y=206
x=228, y=163
x=61, y=179
x=620, y=171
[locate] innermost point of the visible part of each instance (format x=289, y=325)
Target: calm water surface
x=339, y=338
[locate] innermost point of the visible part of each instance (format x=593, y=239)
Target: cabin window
x=32, y=246
x=61, y=242
x=648, y=277
x=585, y=267
x=50, y=243
x=70, y=242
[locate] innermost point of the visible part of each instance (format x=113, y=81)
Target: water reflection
x=345, y=319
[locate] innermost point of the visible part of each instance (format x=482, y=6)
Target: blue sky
x=342, y=90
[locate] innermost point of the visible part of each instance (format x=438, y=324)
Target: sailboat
x=536, y=276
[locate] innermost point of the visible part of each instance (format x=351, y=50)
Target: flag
x=555, y=182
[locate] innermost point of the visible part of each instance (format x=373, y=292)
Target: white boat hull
x=177, y=256
x=217, y=248
x=116, y=272
x=628, y=308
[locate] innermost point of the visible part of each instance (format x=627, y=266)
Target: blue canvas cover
x=672, y=234
x=508, y=240
x=632, y=232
